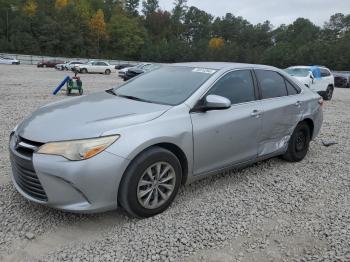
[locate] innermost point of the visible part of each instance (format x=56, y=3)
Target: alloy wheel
x=156, y=185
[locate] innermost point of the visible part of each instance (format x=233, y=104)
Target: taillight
x=321, y=102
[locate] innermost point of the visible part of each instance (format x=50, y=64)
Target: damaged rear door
x=281, y=106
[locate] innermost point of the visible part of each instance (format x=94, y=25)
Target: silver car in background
x=133, y=146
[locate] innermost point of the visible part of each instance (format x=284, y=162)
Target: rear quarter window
x=271, y=84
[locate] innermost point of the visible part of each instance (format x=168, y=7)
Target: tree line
x=135, y=30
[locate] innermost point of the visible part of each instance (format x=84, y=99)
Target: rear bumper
x=76, y=186
x=318, y=120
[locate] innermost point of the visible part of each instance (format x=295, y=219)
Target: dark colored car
x=122, y=66
x=132, y=72
x=342, y=79
x=50, y=63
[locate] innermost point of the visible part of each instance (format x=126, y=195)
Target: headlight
x=78, y=149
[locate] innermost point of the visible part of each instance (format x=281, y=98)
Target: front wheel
x=84, y=71
x=150, y=183
x=299, y=142
x=108, y=72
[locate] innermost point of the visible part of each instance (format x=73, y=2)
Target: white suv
x=317, y=78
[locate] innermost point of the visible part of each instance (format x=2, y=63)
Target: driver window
x=237, y=86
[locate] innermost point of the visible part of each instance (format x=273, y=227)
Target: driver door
x=225, y=137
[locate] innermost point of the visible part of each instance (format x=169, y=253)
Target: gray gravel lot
x=272, y=211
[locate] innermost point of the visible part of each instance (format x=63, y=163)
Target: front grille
x=23, y=169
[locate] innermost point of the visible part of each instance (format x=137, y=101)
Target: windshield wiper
x=111, y=91
x=132, y=98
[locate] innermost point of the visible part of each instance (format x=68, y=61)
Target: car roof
x=305, y=67
x=222, y=65
x=308, y=67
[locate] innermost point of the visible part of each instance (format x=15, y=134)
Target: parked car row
x=318, y=78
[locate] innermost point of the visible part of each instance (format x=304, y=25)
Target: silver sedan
x=133, y=146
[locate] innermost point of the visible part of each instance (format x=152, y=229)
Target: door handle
x=298, y=103
x=256, y=113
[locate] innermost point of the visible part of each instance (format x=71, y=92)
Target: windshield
x=170, y=85
x=139, y=65
x=302, y=72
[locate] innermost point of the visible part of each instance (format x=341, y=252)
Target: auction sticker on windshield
x=204, y=71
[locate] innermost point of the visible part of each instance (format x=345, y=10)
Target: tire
x=108, y=72
x=299, y=142
x=329, y=93
x=84, y=71
x=130, y=191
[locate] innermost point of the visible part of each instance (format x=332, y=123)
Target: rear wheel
x=108, y=72
x=329, y=93
x=150, y=183
x=299, y=142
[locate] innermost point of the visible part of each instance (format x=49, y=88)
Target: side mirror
x=212, y=102
x=312, y=78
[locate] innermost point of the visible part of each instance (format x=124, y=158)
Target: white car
x=96, y=67
x=72, y=64
x=317, y=78
x=60, y=66
x=68, y=65
x=123, y=71
x=9, y=60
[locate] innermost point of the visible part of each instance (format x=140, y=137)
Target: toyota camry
x=135, y=145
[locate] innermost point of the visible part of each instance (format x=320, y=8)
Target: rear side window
x=325, y=72
x=237, y=86
x=291, y=89
x=272, y=84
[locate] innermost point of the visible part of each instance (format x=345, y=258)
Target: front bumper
x=76, y=186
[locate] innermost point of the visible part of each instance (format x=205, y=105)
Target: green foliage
x=115, y=29
x=149, y=7
x=126, y=36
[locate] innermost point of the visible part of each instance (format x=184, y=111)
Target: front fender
x=173, y=127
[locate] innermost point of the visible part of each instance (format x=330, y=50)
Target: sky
x=276, y=11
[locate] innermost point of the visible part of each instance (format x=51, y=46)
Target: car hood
x=86, y=117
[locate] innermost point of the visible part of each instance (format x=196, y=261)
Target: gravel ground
x=272, y=211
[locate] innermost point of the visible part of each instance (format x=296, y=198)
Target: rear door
x=281, y=105
x=225, y=137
